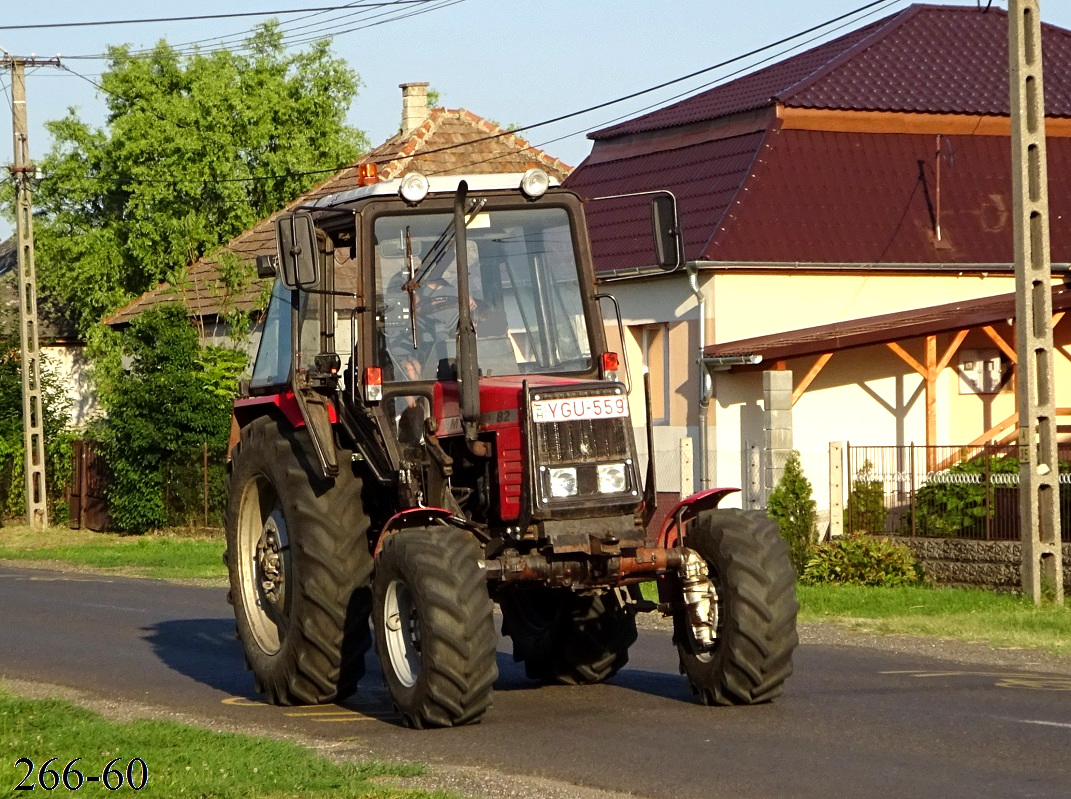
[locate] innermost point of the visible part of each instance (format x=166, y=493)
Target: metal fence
x=969, y=491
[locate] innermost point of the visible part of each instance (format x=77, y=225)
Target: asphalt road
x=853, y=722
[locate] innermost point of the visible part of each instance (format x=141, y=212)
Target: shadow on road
x=204, y=650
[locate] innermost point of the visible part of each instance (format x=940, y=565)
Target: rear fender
x=420, y=517
x=686, y=510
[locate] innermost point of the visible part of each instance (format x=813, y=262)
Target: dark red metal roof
x=704, y=177
x=932, y=320
x=830, y=197
x=799, y=196
x=926, y=58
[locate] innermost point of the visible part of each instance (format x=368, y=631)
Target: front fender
x=420, y=517
x=686, y=510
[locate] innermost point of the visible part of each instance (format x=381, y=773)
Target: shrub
x=791, y=505
x=855, y=559
x=955, y=501
x=866, y=502
x=175, y=398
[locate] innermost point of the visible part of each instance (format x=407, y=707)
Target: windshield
x=524, y=287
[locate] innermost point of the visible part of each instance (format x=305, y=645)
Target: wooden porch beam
x=1004, y=346
x=953, y=348
x=808, y=378
x=905, y=356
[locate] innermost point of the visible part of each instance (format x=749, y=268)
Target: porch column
x=776, y=426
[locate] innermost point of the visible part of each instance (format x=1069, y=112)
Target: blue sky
x=513, y=61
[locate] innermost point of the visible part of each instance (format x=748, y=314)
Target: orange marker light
x=610, y=362
x=367, y=174
x=373, y=384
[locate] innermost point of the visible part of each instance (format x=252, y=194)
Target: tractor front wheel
x=434, y=629
x=749, y=563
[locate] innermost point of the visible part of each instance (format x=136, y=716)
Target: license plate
x=566, y=409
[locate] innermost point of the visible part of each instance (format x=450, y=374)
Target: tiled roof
x=926, y=58
x=931, y=320
x=205, y=294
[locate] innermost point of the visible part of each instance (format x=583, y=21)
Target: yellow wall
x=747, y=305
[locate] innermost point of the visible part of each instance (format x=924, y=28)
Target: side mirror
x=299, y=256
x=669, y=245
x=267, y=266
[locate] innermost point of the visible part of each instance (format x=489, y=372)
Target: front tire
x=300, y=569
x=434, y=627
x=749, y=563
x=568, y=638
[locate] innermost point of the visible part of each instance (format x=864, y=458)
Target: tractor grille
x=573, y=461
x=583, y=441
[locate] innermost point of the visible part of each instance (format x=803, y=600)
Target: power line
x=874, y=4
x=238, y=42
x=199, y=17
x=663, y=102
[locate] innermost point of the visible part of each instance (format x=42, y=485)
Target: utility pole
x=32, y=416
x=1039, y=479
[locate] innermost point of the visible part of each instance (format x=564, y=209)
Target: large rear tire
x=750, y=566
x=434, y=627
x=300, y=568
x=569, y=638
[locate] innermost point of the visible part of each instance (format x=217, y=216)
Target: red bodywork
x=500, y=404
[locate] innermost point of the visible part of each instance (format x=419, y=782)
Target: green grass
x=1000, y=620
x=153, y=555
x=181, y=760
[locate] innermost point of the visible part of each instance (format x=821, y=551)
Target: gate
x=89, y=482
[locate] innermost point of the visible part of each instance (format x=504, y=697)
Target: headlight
x=414, y=188
x=563, y=482
x=535, y=183
x=612, y=478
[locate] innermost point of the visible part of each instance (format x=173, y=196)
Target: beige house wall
x=69, y=367
x=748, y=304
x=863, y=396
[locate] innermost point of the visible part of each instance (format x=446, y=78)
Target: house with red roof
x=847, y=213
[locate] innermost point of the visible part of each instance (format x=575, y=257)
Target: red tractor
x=434, y=425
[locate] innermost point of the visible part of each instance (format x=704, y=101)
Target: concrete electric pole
x=1039, y=478
x=32, y=416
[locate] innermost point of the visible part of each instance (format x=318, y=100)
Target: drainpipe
x=706, y=389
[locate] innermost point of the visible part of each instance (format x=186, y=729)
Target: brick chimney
x=414, y=106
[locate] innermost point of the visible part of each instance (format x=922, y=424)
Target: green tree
x=171, y=402
x=195, y=149
x=792, y=506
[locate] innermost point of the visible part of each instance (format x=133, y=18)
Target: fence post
x=836, y=489
x=687, y=473
x=205, y=475
x=754, y=478
x=913, y=520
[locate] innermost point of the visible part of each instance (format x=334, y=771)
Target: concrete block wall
x=975, y=564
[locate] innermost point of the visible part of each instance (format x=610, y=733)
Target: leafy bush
x=792, y=506
x=956, y=500
x=170, y=403
x=855, y=559
x=866, y=502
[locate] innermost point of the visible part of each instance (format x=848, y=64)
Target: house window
x=654, y=344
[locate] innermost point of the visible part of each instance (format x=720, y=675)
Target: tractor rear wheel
x=565, y=637
x=434, y=628
x=300, y=569
x=749, y=563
